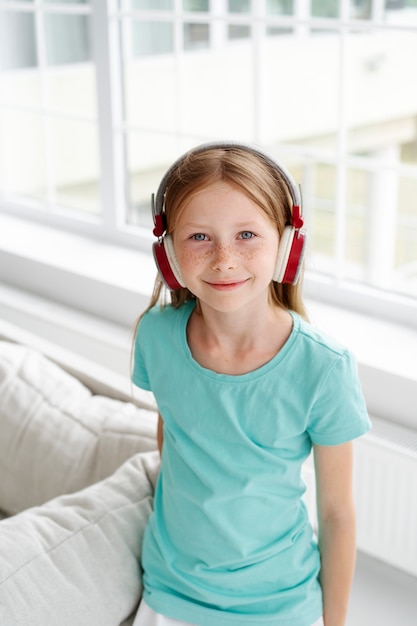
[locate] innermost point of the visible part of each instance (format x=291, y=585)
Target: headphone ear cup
x=167, y=263
x=290, y=255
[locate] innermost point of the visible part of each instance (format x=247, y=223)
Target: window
x=98, y=97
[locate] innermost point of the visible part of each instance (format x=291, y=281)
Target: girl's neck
x=232, y=343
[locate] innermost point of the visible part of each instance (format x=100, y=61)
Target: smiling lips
x=227, y=286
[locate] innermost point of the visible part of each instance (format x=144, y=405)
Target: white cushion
x=75, y=560
x=55, y=436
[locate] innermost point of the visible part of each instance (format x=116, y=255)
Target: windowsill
x=85, y=296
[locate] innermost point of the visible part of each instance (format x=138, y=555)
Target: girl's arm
x=160, y=433
x=337, y=537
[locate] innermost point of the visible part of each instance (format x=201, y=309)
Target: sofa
x=78, y=465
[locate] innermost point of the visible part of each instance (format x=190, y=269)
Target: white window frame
x=111, y=227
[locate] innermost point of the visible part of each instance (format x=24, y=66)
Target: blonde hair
x=248, y=172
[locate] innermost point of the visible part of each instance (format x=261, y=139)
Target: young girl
x=245, y=387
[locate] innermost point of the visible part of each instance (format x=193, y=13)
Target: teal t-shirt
x=229, y=542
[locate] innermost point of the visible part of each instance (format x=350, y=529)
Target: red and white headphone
x=292, y=243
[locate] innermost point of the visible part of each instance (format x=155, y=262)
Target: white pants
x=147, y=617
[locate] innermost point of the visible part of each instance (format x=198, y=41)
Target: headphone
x=292, y=242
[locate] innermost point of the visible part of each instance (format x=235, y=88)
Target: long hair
x=250, y=174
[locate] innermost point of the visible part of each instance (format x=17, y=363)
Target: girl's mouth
x=227, y=286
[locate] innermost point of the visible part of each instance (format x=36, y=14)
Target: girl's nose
x=223, y=258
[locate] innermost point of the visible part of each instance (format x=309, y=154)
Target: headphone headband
x=158, y=200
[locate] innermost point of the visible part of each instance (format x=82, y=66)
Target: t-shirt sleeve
x=339, y=413
x=140, y=374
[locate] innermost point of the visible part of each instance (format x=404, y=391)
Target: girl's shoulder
x=315, y=339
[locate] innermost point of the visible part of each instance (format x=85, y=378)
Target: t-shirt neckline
x=232, y=378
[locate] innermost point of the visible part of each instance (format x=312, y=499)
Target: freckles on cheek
x=192, y=258
x=248, y=254
x=252, y=252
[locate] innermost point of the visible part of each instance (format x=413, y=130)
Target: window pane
x=196, y=97
x=381, y=228
x=148, y=156
x=67, y=39
x=74, y=168
x=17, y=40
x=150, y=38
x=239, y=6
x=73, y=89
x=196, y=36
x=408, y=153
x=274, y=31
x=239, y=31
x=280, y=7
x=358, y=222
x=380, y=67
x=196, y=5
x=67, y=1
x=325, y=8
x=17, y=54
x=21, y=88
x=406, y=237
x=211, y=111
x=154, y=5
x=58, y=165
x=154, y=104
x=320, y=189
x=22, y=162
x=300, y=101
x=401, y=12
x=361, y=9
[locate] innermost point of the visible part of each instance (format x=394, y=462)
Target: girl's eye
x=199, y=237
x=247, y=234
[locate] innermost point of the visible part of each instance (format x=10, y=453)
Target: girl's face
x=226, y=248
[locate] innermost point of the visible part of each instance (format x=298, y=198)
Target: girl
x=245, y=387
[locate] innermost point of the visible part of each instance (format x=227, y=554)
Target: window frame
x=110, y=227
